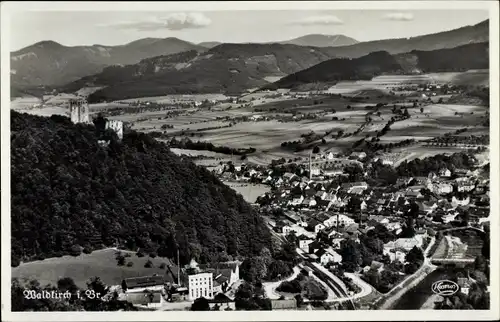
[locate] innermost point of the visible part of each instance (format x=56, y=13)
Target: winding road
x=270, y=287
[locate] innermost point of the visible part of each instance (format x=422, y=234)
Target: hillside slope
x=67, y=190
x=227, y=68
x=50, y=63
x=473, y=56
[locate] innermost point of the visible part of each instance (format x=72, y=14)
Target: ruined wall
x=116, y=126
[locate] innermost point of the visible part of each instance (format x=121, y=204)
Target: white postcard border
x=8, y=8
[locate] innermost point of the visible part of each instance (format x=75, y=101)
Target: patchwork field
x=291, y=116
x=101, y=263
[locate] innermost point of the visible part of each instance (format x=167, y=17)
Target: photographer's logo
x=446, y=288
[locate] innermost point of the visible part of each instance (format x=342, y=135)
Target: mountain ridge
x=461, y=58
x=50, y=63
x=226, y=69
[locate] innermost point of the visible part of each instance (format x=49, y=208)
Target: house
x=425, y=182
x=314, y=247
x=459, y=202
x=319, y=227
x=394, y=254
x=337, y=258
x=406, y=243
x=464, y=283
x=147, y=299
x=144, y=283
x=288, y=229
x=354, y=185
x=326, y=257
x=443, y=188
x=465, y=185
x=289, y=176
x=321, y=195
x=293, y=217
x=340, y=219
x=377, y=266
x=445, y=173
x=358, y=155
x=304, y=242
x=296, y=201
x=309, y=202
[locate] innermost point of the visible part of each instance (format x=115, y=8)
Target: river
x=415, y=298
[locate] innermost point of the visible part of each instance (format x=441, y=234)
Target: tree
x=415, y=255
x=148, y=264
x=120, y=259
x=200, y=304
x=316, y=149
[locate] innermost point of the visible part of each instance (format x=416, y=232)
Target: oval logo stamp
x=445, y=287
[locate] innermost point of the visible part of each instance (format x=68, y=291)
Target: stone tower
x=79, y=110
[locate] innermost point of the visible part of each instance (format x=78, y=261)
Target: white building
x=201, y=285
x=342, y=220
x=319, y=227
x=116, y=126
x=328, y=256
x=443, y=188
x=296, y=201
x=304, y=244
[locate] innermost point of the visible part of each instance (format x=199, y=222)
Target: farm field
x=101, y=263
x=168, y=99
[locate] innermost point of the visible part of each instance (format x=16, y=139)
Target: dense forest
x=70, y=194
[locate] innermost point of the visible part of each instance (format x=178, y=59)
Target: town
x=360, y=229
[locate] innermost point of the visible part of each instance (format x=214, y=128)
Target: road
x=270, y=287
x=391, y=298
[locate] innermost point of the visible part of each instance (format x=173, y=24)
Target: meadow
x=101, y=263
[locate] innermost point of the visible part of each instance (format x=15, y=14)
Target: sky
x=73, y=28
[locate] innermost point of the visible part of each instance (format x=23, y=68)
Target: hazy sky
x=116, y=28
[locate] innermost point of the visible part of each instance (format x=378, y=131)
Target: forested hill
x=458, y=59
x=68, y=191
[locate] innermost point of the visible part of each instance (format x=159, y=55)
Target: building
x=340, y=219
x=464, y=284
x=443, y=188
x=445, y=173
x=143, y=283
x=147, y=299
x=201, y=285
x=79, y=110
x=398, y=254
x=304, y=242
x=116, y=126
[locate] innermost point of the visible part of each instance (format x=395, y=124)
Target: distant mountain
x=50, y=63
x=447, y=39
x=227, y=68
x=322, y=41
x=462, y=58
x=209, y=44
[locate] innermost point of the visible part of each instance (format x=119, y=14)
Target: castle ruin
x=79, y=110
x=116, y=126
